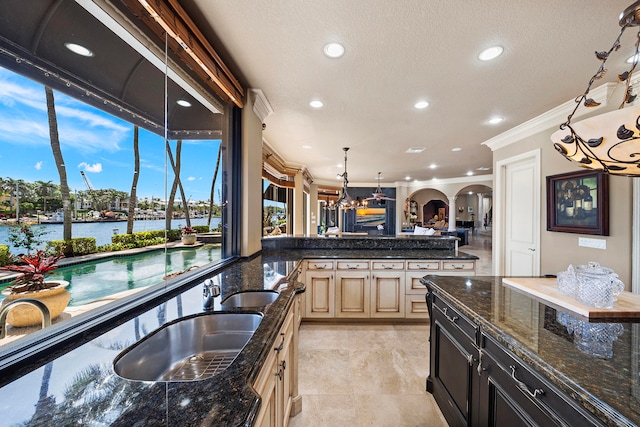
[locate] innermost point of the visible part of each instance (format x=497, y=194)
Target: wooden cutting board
x=546, y=289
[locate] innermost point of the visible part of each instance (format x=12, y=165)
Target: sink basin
x=251, y=299
x=188, y=349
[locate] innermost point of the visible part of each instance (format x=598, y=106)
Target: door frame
x=499, y=211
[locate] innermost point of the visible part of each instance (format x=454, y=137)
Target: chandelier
x=345, y=201
x=607, y=141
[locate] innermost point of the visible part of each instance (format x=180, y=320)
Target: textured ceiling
x=398, y=53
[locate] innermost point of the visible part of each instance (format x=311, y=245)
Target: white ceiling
x=398, y=53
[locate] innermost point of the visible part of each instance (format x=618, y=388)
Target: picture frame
x=578, y=202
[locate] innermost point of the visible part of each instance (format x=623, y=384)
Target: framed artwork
x=578, y=202
x=371, y=217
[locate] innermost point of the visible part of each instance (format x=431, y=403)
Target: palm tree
x=8, y=186
x=136, y=174
x=213, y=184
x=44, y=190
x=176, y=184
x=57, y=155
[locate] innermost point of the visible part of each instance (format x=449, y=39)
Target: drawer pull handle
x=284, y=365
x=458, y=267
x=279, y=374
x=352, y=267
x=522, y=386
x=279, y=348
x=480, y=368
x=453, y=319
x=320, y=267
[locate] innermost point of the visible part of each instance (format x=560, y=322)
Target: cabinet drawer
x=415, y=307
x=319, y=265
x=523, y=383
x=454, y=317
x=423, y=265
x=387, y=265
x=458, y=265
x=353, y=265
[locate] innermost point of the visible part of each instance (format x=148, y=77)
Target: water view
x=93, y=280
x=102, y=231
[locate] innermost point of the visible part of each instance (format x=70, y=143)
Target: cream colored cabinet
x=415, y=302
x=387, y=289
x=373, y=288
x=266, y=386
x=353, y=289
x=320, y=293
x=277, y=382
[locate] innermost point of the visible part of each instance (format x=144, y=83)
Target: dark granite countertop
x=537, y=333
x=371, y=254
x=77, y=385
x=74, y=383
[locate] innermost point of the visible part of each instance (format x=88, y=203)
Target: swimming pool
x=93, y=280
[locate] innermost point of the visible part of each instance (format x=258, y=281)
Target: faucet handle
x=216, y=290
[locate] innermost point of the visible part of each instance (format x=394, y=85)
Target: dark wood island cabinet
x=501, y=358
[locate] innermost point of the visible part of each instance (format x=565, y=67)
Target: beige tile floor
x=361, y=375
x=365, y=375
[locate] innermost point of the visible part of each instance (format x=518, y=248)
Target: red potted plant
x=31, y=283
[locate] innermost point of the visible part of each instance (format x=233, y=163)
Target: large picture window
x=111, y=154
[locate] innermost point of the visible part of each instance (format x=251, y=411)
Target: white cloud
x=38, y=165
x=191, y=178
x=95, y=168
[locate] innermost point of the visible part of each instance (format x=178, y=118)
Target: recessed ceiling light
x=470, y=173
x=333, y=50
x=421, y=105
x=456, y=149
x=415, y=150
x=433, y=166
x=490, y=53
x=407, y=178
x=339, y=165
x=495, y=120
x=183, y=103
x=306, y=147
x=316, y=104
x=78, y=49
x=483, y=168
x=470, y=192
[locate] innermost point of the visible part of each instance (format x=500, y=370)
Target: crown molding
x=551, y=118
x=261, y=106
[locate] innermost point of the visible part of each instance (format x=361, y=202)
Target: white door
x=520, y=225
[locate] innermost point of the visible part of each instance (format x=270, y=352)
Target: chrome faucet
x=209, y=292
x=4, y=312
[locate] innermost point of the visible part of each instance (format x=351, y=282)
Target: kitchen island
x=502, y=357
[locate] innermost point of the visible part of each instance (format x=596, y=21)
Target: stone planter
x=56, y=299
x=189, y=239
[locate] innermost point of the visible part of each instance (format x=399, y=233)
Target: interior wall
x=251, y=228
x=558, y=250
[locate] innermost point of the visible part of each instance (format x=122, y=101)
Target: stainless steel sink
x=189, y=349
x=251, y=299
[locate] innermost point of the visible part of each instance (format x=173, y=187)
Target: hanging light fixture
x=345, y=201
x=609, y=141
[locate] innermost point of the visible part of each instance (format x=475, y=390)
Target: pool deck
x=5, y=276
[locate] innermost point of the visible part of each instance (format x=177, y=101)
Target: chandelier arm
x=601, y=69
x=631, y=70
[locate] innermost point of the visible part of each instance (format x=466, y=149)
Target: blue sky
x=92, y=141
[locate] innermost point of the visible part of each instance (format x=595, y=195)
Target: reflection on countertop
x=77, y=384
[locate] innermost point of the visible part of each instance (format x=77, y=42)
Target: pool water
x=93, y=280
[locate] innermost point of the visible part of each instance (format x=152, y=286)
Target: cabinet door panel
x=387, y=294
x=319, y=294
x=352, y=294
x=453, y=372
